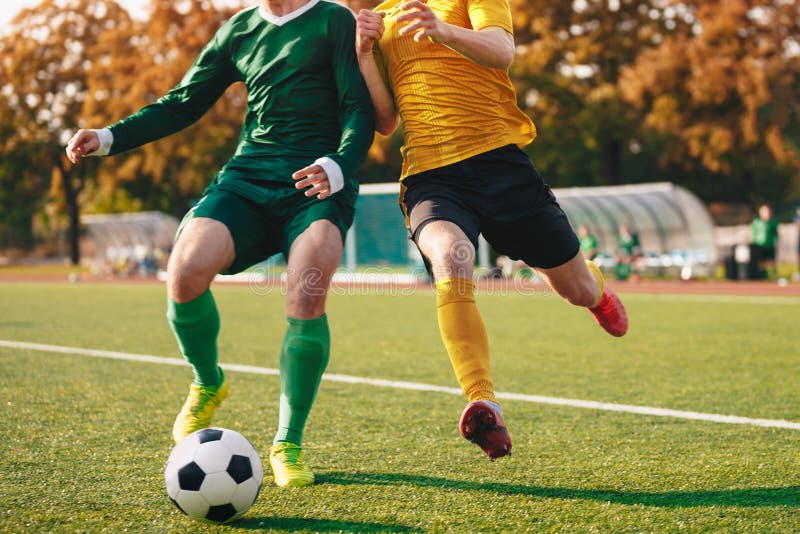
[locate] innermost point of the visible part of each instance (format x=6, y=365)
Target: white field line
x=398, y=384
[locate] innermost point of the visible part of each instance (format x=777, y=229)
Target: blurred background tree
x=567, y=70
x=46, y=59
x=87, y=64
x=721, y=98
x=168, y=174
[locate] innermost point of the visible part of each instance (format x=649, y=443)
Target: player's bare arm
x=369, y=28
x=490, y=47
x=82, y=144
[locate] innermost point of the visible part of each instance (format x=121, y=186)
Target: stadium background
x=689, y=423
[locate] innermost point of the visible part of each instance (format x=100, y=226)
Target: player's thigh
x=543, y=239
x=316, y=252
x=314, y=241
x=313, y=258
x=252, y=226
x=440, y=222
x=204, y=248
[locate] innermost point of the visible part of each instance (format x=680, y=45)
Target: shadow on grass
x=315, y=525
x=755, y=497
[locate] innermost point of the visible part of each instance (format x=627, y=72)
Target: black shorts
x=500, y=194
x=766, y=252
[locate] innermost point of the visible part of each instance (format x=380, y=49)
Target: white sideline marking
x=398, y=384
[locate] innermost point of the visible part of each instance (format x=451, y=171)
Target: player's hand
x=83, y=143
x=423, y=22
x=316, y=177
x=369, y=28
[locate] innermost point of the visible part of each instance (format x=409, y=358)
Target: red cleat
x=610, y=314
x=482, y=424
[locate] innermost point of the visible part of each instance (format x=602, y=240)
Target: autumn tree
x=723, y=96
x=45, y=60
x=168, y=173
x=22, y=191
x=569, y=59
x=87, y=64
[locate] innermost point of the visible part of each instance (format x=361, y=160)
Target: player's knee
x=305, y=305
x=452, y=258
x=186, y=282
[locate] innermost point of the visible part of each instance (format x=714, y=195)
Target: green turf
x=84, y=439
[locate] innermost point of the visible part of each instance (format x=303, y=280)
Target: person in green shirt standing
x=588, y=242
x=765, y=239
x=628, y=254
x=290, y=187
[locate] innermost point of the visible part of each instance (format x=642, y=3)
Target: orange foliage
x=727, y=91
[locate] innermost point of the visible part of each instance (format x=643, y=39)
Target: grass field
x=84, y=439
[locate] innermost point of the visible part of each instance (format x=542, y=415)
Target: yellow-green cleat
x=198, y=409
x=288, y=466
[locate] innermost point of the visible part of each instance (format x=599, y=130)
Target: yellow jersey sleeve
x=485, y=13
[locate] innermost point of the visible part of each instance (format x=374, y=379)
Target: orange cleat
x=482, y=424
x=610, y=314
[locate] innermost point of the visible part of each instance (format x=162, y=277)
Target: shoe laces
x=199, y=399
x=290, y=455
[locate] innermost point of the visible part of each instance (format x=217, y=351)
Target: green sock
x=304, y=357
x=196, y=325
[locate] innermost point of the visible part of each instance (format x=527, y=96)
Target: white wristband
x=334, y=172
x=106, y=139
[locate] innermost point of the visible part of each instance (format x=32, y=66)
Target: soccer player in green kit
x=290, y=187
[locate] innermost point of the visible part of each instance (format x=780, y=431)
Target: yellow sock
x=600, y=280
x=465, y=337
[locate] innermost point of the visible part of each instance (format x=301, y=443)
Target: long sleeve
x=356, y=114
x=207, y=79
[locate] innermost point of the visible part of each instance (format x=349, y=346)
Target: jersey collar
x=280, y=21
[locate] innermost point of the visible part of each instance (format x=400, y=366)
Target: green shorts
x=265, y=218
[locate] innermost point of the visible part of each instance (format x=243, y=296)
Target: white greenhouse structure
x=675, y=229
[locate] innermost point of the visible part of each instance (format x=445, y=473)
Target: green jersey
x=588, y=244
x=306, y=97
x=765, y=233
x=629, y=243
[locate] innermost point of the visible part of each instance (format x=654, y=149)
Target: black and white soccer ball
x=214, y=475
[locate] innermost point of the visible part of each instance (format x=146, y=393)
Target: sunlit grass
x=85, y=439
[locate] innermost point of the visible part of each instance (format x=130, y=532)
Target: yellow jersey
x=451, y=107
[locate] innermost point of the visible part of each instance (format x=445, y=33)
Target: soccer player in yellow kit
x=441, y=67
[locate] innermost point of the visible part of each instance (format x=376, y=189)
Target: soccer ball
x=213, y=475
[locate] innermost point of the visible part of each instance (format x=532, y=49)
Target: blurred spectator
x=588, y=242
x=629, y=253
x=143, y=260
x=148, y=266
x=765, y=240
x=629, y=242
